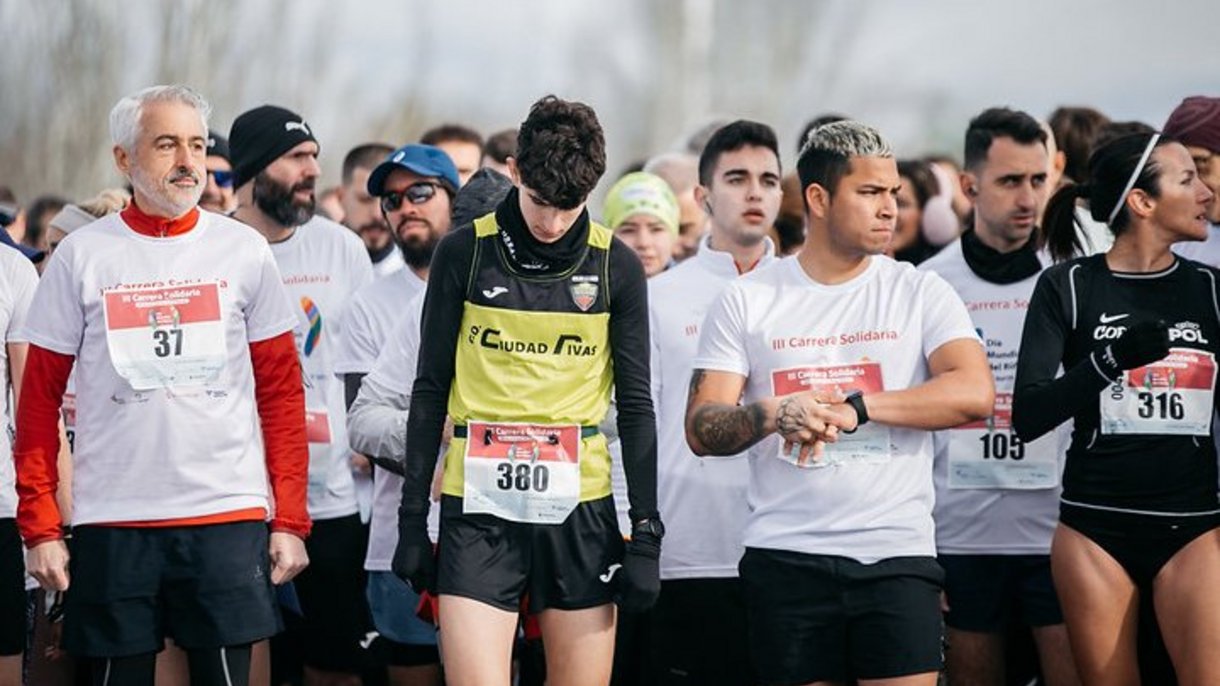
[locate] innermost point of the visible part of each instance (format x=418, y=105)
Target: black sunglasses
x=224, y=179
x=416, y=194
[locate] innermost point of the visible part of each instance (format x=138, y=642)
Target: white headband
x=1135, y=174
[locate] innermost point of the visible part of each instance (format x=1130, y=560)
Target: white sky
x=916, y=70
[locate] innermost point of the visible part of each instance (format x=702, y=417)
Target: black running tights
x=228, y=666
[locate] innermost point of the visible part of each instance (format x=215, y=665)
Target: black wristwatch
x=651, y=525
x=856, y=400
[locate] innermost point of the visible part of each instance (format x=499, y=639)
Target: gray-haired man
x=190, y=418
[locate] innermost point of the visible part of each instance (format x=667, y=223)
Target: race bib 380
x=522, y=472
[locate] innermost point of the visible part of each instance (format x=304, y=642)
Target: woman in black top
x=1135, y=331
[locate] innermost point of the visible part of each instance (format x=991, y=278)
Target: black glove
x=1143, y=343
x=414, y=561
x=640, y=577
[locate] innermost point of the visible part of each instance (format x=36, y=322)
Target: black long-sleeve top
x=1078, y=308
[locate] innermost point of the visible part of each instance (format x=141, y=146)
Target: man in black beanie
x=275, y=168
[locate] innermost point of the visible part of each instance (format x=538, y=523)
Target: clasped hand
x=808, y=420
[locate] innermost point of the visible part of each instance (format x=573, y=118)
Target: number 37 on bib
x=162, y=337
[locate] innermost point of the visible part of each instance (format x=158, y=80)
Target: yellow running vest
x=534, y=349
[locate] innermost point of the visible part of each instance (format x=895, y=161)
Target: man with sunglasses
x=218, y=192
x=322, y=264
x=414, y=188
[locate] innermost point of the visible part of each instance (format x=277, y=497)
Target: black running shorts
x=12, y=589
x=203, y=586
x=568, y=566
x=830, y=618
x=984, y=590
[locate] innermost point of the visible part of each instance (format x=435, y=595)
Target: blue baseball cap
x=425, y=160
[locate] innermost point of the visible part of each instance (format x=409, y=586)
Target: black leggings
x=228, y=666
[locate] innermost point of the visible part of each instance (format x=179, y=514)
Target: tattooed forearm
x=696, y=381
x=789, y=416
x=727, y=430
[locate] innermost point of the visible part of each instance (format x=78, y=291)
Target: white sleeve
x=269, y=312
x=356, y=349
x=395, y=365
x=60, y=324
x=23, y=279
x=722, y=342
x=945, y=317
x=377, y=420
x=654, y=349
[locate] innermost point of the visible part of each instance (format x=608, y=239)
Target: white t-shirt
x=367, y=322
x=389, y=264
x=1206, y=251
x=994, y=494
x=322, y=265
x=381, y=429
x=370, y=317
x=166, y=422
x=702, y=500
x=782, y=330
x=18, y=279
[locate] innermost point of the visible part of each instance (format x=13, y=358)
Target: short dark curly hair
x=561, y=151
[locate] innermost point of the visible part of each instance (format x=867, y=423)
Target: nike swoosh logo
x=1104, y=319
x=499, y=290
x=609, y=573
x=368, y=639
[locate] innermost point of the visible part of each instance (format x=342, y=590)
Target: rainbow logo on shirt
x=315, y=324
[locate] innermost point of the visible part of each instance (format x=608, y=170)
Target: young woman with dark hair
x=1135, y=331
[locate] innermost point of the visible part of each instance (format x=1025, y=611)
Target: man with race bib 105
x=997, y=498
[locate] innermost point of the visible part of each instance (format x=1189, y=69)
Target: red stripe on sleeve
x=281, y=408
x=37, y=447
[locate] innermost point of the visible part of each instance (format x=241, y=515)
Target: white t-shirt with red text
x=322, y=266
x=995, y=495
x=166, y=421
x=870, y=496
